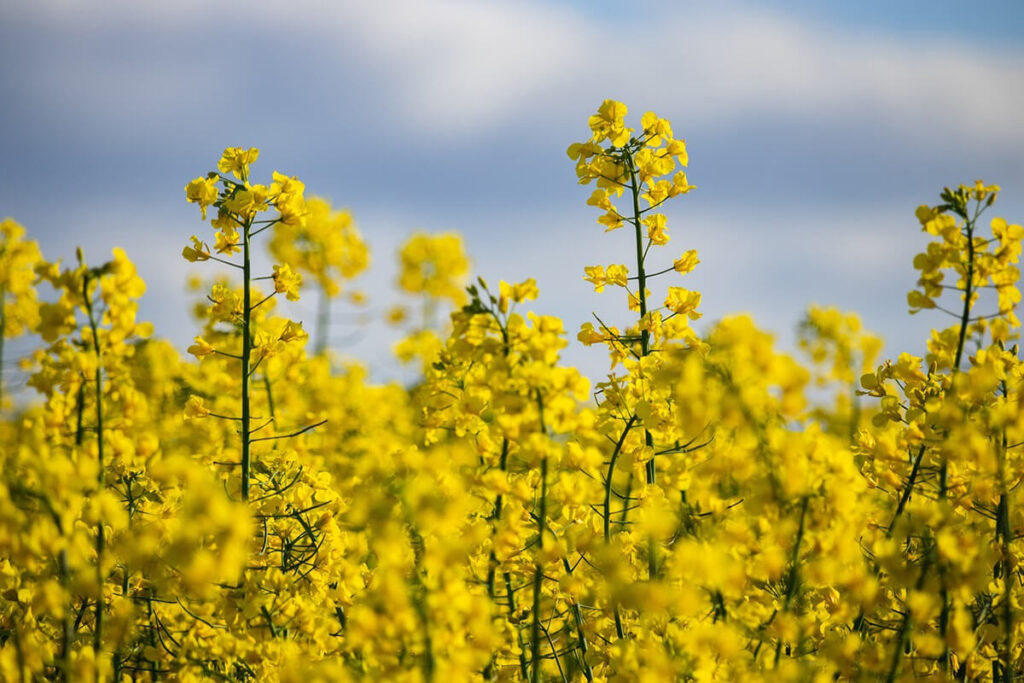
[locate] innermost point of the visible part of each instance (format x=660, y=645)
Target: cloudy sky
x=814, y=130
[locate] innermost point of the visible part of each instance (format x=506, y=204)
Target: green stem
x=499, y=501
x=634, y=189
x=538, y=576
x=1006, y=567
x=903, y=634
x=270, y=396
x=968, y=291
x=608, y=479
x=624, y=517
x=80, y=414
x=793, y=580
x=581, y=637
x=419, y=596
x=523, y=665
x=962, y=337
x=492, y=560
x=65, y=573
x=645, y=337
x=619, y=631
x=905, y=496
x=1004, y=536
x=101, y=465
x=492, y=565
x=944, y=465
x=246, y=353
x=64, y=576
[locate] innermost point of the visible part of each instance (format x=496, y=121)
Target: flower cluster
x=713, y=509
x=325, y=247
x=434, y=269
x=19, y=306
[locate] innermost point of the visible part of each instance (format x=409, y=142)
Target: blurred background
x=814, y=131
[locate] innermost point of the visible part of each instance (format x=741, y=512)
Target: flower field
x=711, y=509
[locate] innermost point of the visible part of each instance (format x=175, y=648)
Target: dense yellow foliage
x=711, y=509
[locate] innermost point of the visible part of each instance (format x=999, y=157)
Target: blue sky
x=814, y=130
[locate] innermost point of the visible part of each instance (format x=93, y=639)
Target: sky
x=814, y=131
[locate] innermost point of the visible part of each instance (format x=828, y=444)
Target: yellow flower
x=319, y=242
x=248, y=202
x=227, y=241
x=680, y=185
x=611, y=220
x=608, y=123
x=617, y=274
x=599, y=198
x=596, y=275
x=226, y=304
x=656, y=128
x=683, y=302
x=202, y=191
x=981, y=192
x=397, y=314
x=55, y=320
x=236, y=160
x=293, y=332
x=656, y=228
x=283, y=184
x=287, y=281
x=199, y=251
x=519, y=292
x=634, y=299
x=194, y=408
x=264, y=348
x=201, y=348
x=917, y=301
x=687, y=262
x=588, y=335
x=677, y=148
x=288, y=198
x=434, y=265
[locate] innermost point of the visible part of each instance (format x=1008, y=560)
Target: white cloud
x=749, y=61
x=453, y=67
